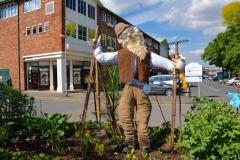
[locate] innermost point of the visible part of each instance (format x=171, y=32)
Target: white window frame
x=35, y=28
x=32, y=9
x=28, y=27
x=40, y=24
x=44, y=30
x=104, y=16
x=52, y=2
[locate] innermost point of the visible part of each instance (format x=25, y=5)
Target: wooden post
x=174, y=102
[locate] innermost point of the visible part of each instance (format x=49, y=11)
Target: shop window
x=71, y=4
x=49, y=7
x=40, y=28
x=34, y=29
x=91, y=11
x=82, y=7
x=28, y=31
x=44, y=76
x=109, y=41
x=32, y=5
x=46, y=26
x=82, y=33
x=91, y=33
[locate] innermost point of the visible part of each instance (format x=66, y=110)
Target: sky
x=199, y=21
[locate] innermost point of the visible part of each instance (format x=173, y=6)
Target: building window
x=71, y=4
x=28, y=31
x=91, y=11
x=9, y=10
x=71, y=29
x=82, y=33
x=91, y=33
x=32, y=5
x=108, y=19
x=40, y=28
x=82, y=7
x=109, y=41
x=49, y=7
x=114, y=42
x=103, y=16
x=34, y=29
x=46, y=26
x=104, y=39
x=113, y=21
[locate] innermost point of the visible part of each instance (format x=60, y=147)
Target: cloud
x=120, y=6
x=200, y=15
x=197, y=52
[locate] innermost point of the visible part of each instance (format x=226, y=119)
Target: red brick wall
x=47, y=42
x=103, y=28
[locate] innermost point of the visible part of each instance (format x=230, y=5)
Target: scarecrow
x=135, y=61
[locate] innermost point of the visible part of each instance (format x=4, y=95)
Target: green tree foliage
x=224, y=51
x=231, y=14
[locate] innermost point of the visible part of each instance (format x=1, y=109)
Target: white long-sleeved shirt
x=156, y=61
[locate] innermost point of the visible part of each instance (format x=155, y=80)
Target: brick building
x=49, y=60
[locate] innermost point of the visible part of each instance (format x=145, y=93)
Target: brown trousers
x=131, y=97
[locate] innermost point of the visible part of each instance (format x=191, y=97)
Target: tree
x=224, y=50
x=231, y=14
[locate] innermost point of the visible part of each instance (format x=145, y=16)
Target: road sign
x=193, y=72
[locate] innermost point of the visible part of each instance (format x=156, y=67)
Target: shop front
x=43, y=75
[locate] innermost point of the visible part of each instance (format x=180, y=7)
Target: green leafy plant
x=99, y=149
x=211, y=131
x=51, y=129
x=3, y=136
x=6, y=154
x=14, y=105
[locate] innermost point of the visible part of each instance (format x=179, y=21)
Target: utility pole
x=174, y=102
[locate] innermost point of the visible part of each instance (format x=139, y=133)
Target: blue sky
x=197, y=20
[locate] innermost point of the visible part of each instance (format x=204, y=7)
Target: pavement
x=73, y=104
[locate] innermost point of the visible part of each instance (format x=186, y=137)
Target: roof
x=125, y=21
x=161, y=39
x=5, y=1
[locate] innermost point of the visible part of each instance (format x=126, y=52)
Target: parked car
x=159, y=87
x=168, y=79
x=233, y=81
x=222, y=81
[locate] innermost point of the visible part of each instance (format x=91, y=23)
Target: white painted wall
x=75, y=44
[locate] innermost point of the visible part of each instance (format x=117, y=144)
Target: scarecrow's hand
x=179, y=63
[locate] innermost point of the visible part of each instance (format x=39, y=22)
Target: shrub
x=211, y=131
x=6, y=154
x=14, y=105
x=3, y=136
x=50, y=129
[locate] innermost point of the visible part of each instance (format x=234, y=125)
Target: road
x=73, y=104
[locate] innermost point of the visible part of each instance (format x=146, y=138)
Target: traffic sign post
x=193, y=72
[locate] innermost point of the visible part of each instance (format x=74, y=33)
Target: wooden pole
x=174, y=103
x=98, y=93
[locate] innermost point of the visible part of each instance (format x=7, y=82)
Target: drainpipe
x=19, y=61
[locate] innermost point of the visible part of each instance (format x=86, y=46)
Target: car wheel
x=168, y=92
x=233, y=83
